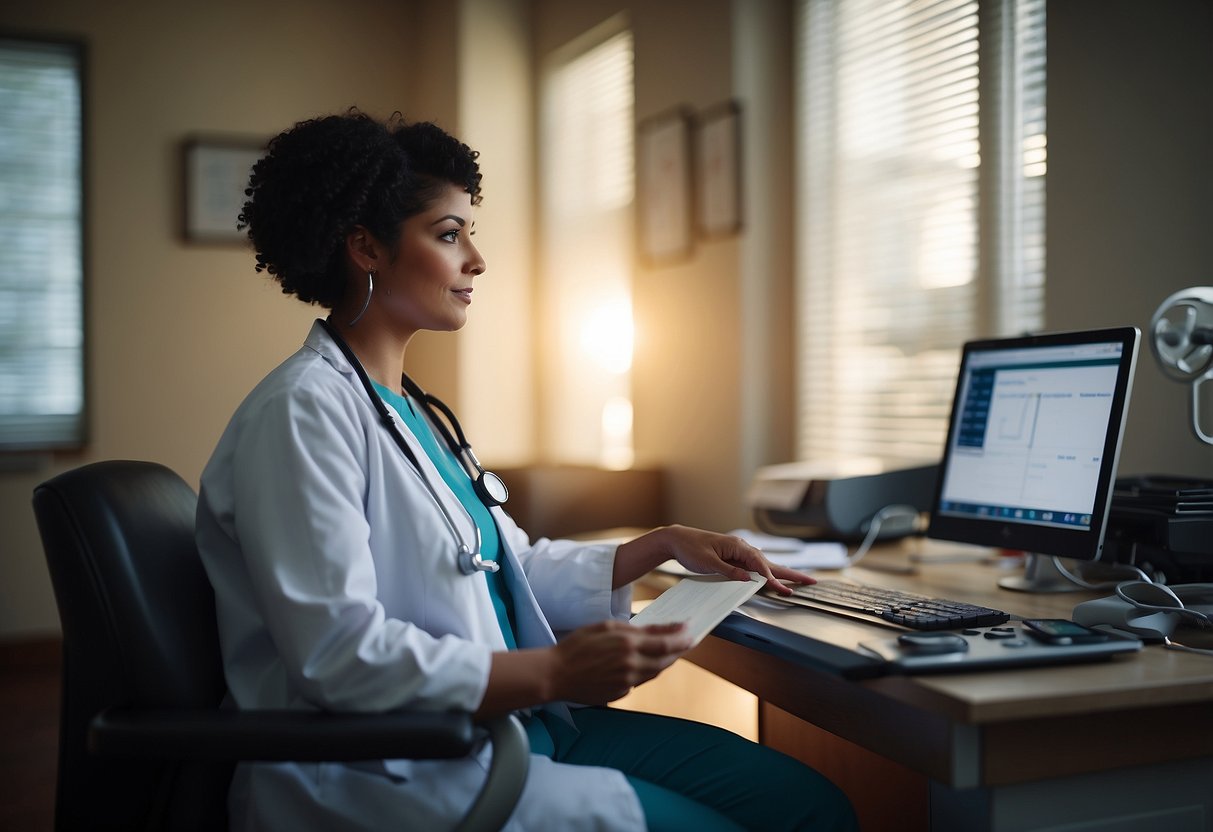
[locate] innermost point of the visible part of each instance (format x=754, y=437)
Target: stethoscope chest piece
x=470, y=562
x=491, y=488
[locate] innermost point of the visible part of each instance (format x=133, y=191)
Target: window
x=585, y=239
x=922, y=147
x=41, y=246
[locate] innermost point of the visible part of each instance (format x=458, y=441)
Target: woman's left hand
x=703, y=552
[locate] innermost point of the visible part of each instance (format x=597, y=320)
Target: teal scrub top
x=490, y=542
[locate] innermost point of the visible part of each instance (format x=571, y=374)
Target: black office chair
x=143, y=743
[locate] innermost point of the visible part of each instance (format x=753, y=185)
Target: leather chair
x=143, y=743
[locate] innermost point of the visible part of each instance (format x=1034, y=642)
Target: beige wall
x=1130, y=191
x=709, y=400
x=496, y=369
x=476, y=82
x=178, y=334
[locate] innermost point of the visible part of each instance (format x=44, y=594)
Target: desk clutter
x=1015, y=644
x=991, y=648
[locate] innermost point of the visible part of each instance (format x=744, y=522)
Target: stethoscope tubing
x=489, y=487
x=469, y=560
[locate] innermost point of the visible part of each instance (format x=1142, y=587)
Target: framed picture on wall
x=663, y=176
x=216, y=175
x=718, y=171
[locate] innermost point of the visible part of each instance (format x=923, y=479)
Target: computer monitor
x=1033, y=443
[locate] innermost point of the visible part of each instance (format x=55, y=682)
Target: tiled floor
x=29, y=730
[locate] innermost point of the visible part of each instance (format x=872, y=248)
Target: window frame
x=15, y=451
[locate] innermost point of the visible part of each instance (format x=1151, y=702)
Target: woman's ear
x=363, y=249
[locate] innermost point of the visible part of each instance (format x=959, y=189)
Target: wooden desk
x=1118, y=745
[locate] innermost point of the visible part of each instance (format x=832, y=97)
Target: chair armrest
x=506, y=779
x=279, y=735
x=324, y=737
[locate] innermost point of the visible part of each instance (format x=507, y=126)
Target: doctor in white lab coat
x=333, y=554
x=327, y=600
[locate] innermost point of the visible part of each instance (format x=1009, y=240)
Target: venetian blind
x=909, y=245
x=585, y=240
x=41, y=246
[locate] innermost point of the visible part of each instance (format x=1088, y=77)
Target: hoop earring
x=370, y=287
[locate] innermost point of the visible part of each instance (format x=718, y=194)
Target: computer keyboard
x=905, y=609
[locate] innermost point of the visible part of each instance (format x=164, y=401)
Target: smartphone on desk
x=1062, y=631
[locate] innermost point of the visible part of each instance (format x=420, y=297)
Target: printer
x=836, y=500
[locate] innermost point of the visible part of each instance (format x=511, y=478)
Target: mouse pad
x=986, y=648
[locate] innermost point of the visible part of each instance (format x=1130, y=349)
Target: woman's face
x=428, y=284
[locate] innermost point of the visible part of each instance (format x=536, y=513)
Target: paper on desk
x=796, y=553
x=702, y=604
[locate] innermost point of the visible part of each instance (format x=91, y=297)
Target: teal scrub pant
x=694, y=776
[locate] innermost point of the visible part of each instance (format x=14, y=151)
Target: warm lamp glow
x=617, y=451
x=606, y=336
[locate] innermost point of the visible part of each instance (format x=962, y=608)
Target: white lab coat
x=337, y=588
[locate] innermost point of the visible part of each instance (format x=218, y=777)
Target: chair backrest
x=139, y=629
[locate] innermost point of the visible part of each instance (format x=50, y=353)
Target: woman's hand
x=703, y=552
x=592, y=666
x=602, y=662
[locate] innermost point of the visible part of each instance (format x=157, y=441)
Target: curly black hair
x=322, y=177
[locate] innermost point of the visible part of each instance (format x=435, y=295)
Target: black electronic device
x=882, y=605
x=1062, y=631
x=837, y=501
x=1164, y=525
x=1033, y=443
x=994, y=648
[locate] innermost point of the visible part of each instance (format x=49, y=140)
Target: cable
x=1181, y=609
x=1074, y=579
x=1174, y=645
x=878, y=519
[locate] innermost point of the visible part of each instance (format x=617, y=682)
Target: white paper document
x=701, y=603
x=796, y=553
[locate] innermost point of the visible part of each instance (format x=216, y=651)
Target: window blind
x=41, y=246
x=895, y=268
x=587, y=131
x=585, y=242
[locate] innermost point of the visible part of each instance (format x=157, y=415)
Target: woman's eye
x=450, y=236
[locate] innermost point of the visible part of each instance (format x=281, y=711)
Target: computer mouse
x=934, y=642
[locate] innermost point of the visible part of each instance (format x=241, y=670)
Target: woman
x=351, y=558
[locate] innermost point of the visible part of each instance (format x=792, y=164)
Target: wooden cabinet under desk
x=1119, y=744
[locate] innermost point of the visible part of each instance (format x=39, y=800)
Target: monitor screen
x=1033, y=442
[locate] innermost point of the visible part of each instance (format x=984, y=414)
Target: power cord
x=895, y=510
x=1119, y=586
x=1074, y=579
x=1175, y=645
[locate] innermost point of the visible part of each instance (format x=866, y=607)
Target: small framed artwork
x=664, y=210
x=216, y=176
x=718, y=171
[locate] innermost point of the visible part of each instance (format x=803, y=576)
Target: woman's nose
x=476, y=264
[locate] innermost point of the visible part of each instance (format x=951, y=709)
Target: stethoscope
x=489, y=487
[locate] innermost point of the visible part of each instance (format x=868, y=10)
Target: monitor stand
x=1040, y=574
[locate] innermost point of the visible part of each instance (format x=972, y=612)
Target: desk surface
x=983, y=728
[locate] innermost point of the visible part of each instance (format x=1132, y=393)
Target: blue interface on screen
x=1028, y=441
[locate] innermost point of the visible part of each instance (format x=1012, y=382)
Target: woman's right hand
x=590, y=666
x=602, y=662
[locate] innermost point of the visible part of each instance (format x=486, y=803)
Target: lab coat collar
x=320, y=341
